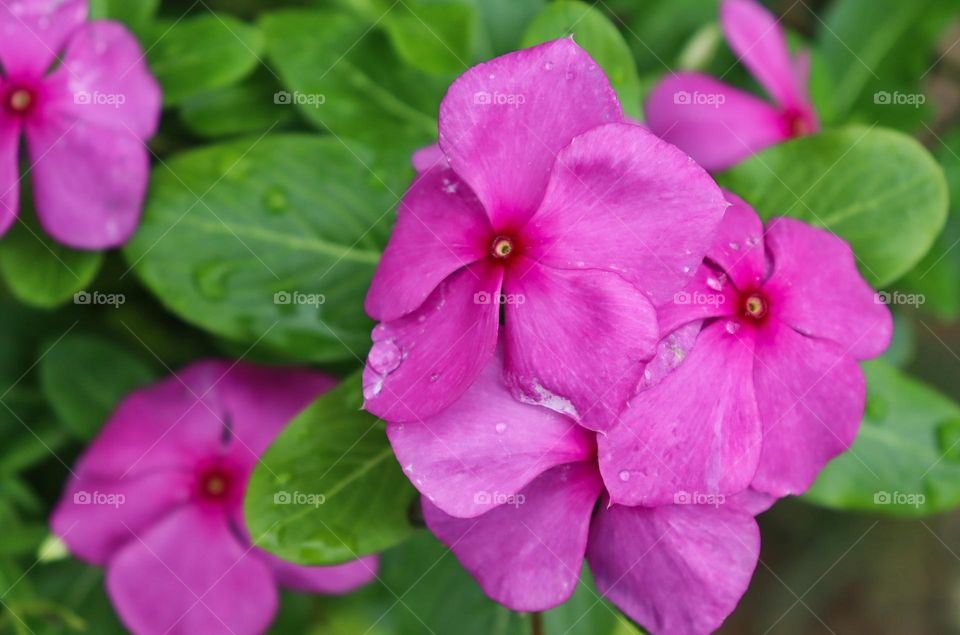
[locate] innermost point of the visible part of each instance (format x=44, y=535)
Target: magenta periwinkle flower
x=719, y=125
x=156, y=499
x=545, y=203
x=770, y=390
x=81, y=94
x=515, y=492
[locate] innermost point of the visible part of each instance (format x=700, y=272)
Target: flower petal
x=332, y=580
x=34, y=32
x=9, y=170
x=576, y=341
x=422, y=362
x=815, y=288
x=757, y=38
x=716, y=124
x=427, y=158
x=738, y=245
x=707, y=295
x=97, y=517
x=503, y=122
x=622, y=200
x=199, y=579
x=259, y=401
x=89, y=181
x=677, y=569
x=485, y=446
x=441, y=227
x=104, y=80
x=697, y=432
x=526, y=554
x=811, y=396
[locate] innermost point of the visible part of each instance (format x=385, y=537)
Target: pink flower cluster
x=587, y=349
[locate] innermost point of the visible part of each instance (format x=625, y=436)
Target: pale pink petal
x=622, y=200
x=697, y=432
x=576, y=341
x=714, y=123
x=485, y=446
x=428, y=157
x=708, y=295
x=526, y=554
x=332, y=580
x=96, y=517
x=89, y=180
x=677, y=569
x=811, y=397
x=751, y=501
x=738, y=245
x=9, y=170
x=503, y=122
x=757, y=38
x=104, y=80
x=441, y=227
x=34, y=33
x=190, y=575
x=815, y=287
x=424, y=361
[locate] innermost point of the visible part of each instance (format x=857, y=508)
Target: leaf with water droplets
x=335, y=450
x=905, y=460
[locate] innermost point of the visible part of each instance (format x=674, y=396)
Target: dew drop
x=715, y=284
x=434, y=378
x=501, y=428
x=624, y=475
x=753, y=241
x=732, y=327
x=548, y=66
x=211, y=279
x=735, y=246
x=384, y=357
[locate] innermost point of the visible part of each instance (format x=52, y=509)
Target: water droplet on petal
x=384, y=357
x=753, y=241
x=735, y=246
x=624, y=475
x=732, y=327
x=715, y=284
x=434, y=378
x=501, y=428
x=548, y=66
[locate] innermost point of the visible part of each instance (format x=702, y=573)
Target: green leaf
x=504, y=22
x=587, y=613
x=598, y=37
x=84, y=377
x=329, y=488
x=878, y=48
x=280, y=249
x=345, y=78
x=878, y=189
x=251, y=107
x=202, y=53
x=905, y=460
x=422, y=570
x=659, y=30
x=136, y=15
x=41, y=272
x=430, y=36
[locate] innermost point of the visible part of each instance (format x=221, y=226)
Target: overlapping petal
x=34, y=33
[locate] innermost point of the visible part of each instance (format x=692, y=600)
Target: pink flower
x=719, y=125
x=85, y=121
x=771, y=389
x=157, y=500
x=553, y=208
x=512, y=489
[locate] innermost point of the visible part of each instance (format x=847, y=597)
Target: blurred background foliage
x=254, y=193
